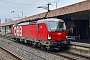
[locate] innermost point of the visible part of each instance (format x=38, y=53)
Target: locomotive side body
x=42, y=32
x=47, y=33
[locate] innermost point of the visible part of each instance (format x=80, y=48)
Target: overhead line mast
x=48, y=6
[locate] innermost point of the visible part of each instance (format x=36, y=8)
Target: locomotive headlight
x=66, y=36
x=49, y=36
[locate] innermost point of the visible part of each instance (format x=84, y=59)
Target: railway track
x=63, y=55
x=14, y=55
x=74, y=56
x=69, y=55
x=24, y=50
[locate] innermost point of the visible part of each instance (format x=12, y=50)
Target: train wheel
x=14, y=38
x=34, y=44
x=22, y=40
x=25, y=41
x=18, y=39
x=30, y=43
x=39, y=44
x=43, y=47
x=48, y=47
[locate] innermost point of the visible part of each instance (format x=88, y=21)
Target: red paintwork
x=31, y=31
x=42, y=33
x=58, y=35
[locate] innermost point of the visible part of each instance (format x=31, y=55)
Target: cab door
x=42, y=31
x=38, y=32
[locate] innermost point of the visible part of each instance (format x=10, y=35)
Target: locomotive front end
x=57, y=30
x=57, y=33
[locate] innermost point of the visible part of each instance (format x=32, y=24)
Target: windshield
x=57, y=26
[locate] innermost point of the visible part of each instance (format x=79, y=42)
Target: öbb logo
x=18, y=31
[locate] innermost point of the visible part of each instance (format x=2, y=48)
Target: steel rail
x=60, y=55
x=26, y=50
x=12, y=53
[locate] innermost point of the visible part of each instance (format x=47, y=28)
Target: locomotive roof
x=41, y=21
x=49, y=19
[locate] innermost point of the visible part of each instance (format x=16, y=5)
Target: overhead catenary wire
x=55, y=3
x=22, y=7
x=17, y=3
x=32, y=10
x=40, y=7
x=8, y=2
x=26, y=6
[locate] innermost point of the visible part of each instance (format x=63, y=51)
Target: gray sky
x=29, y=7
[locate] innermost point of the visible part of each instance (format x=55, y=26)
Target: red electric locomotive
x=47, y=33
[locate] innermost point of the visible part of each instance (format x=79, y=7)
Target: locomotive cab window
x=38, y=26
x=57, y=26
